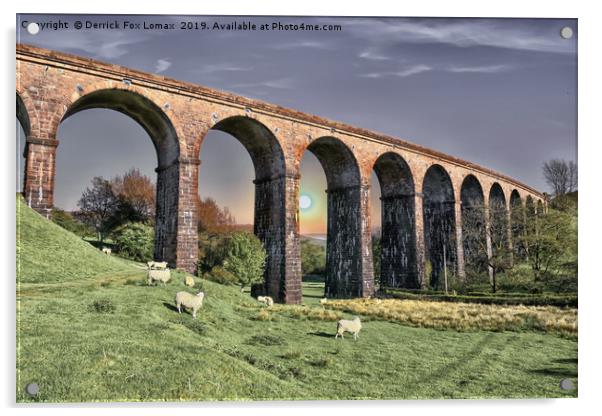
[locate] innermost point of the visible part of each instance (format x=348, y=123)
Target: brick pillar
x=38, y=185
x=459, y=240
x=509, y=233
x=277, y=226
x=398, y=248
x=349, y=271
x=187, y=248
x=488, y=241
x=420, y=245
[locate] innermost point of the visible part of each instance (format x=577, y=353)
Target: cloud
x=413, y=70
x=309, y=44
x=162, y=65
x=221, y=67
x=371, y=55
x=487, y=69
x=96, y=44
x=280, y=83
x=461, y=33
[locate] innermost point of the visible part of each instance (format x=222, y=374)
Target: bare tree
x=560, y=175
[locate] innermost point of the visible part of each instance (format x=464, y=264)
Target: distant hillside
x=49, y=253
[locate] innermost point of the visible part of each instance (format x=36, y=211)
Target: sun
x=305, y=202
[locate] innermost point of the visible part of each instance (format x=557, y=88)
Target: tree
x=245, y=258
x=135, y=241
x=551, y=241
x=212, y=218
x=561, y=176
x=97, y=207
x=136, y=194
x=475, y=238
x=313, y=258
x=69, y=223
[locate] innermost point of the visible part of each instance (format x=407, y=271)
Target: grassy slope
x=48, y=253
x=144, y=350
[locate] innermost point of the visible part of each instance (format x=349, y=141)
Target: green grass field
x=90, y=329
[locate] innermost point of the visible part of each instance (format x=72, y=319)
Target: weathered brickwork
x=419, y=218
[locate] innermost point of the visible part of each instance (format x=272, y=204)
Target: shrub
x=69, y=223
x=245, y=258
x=222, y=276
x=135, y=241
x=313, y=258
x=212, y=251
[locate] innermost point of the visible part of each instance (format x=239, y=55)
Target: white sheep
x=162, y=276
x=157, y=265
x=190, y=301
x=267, y=300
x=106, y=250
x=189, y=281
x=345, y=325
x=323, y=301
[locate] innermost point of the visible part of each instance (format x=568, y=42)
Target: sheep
x=157, y=265
x=190, y=301
x=106, y=250
x=162, y=276
x=323, y=301
x=189, y=281
x=345, y=325
x=267, y=300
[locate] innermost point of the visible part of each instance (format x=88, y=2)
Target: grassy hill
x=48, y=253
x=90, y=329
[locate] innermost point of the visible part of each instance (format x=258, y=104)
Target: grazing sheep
x=106, y=250
x=157, y=265
x=162, y=276
x=267, y=300
x=190, y=301
x=345, y=325
x=323, y=301
x=189, y=281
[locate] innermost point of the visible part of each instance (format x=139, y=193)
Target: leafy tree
x=313, y=258
x=213, y=249
x=551, y=242
x=245, y=258
x=561, y=176
x=212, y=218
x=70, y=223
x=135, y=241
x=98, y=206
x=136, y=196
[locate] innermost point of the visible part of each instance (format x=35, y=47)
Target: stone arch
x=163, y=135
x=439, y=223
x=23, y=116
x=473, y=225
x=270, y=196
x=344, y=267
x=398, y=267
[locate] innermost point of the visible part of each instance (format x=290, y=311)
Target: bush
x=222, y=276
x=69, y=223
x=245, y=258
x=135, y=241
x=212, y=251
x=313, y=258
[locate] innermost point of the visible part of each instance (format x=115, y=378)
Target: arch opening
x=517, y=217
x=498, y=220
x=473, y=227
x=269, y=218
x=398, y=235
x=163, y=135
x=343, y=274
x=439, y=226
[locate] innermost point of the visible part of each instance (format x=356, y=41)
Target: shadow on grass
x=321, y=334
x=566, y=361
x=556, y=372
x=170, y=306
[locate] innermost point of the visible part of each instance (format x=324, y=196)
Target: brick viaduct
x=425, y=193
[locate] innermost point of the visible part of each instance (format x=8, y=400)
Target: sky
x=497, y=92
